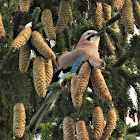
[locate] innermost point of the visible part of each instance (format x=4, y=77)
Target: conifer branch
x=120, y=61
x=131, y=78
x=113, y=19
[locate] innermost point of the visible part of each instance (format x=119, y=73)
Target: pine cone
x=111, y=124
x=73, y=85
x=48, y=71
x=117, y=4
x=98, y=123
x=137, y=13
x=68, y=129
x=70, y=21
x=121, y=26
x=49, y=28
x=41, y=46
x=120, y=138
x=127, y=16
x=19, y=120
x=93, y=14
x=81, y=84
x=63, y=16
x=2, y=30
x=109, y=44
x=24, y=58
x=100, y=86
x=81, y=130
x=24, y=5
x=107, y=11
x=98, y=16
x=21, y=38
x=39, y=76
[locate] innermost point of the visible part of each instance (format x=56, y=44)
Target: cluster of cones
x=79, y=84
x=127, y=8
x=62, y=21
x=49, y=29
x=28, y=40
x=42, y=65
x=102, y=128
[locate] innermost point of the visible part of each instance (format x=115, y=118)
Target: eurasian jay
x=87, y=48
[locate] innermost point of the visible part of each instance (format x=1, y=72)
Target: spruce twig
x=120, y=61
x=113, y=19
x=35, y=16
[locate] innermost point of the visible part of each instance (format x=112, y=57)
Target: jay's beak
x=99, y=33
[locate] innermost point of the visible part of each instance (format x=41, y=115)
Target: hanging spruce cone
x=24, y=58
x=117, y=4
x=98, y=122
x=100, y=86
x=110, y=46
x=39, y=76
x=68, y=129
x=21, y=38
x=70, y=21
x=73, y=85
x=2, y=30
x=127, y=16
x=48, y=71
x=111, y=124
x=49, y=28
x=93, y=14
x=137, y=13
x=41, y=46
x=81, y=131
x=24, y=5
x=63, y=16
x=121, y=27
x=120, y=138
x=98, y=16
x=19, y=120
x=81, y=84
x=107, y=11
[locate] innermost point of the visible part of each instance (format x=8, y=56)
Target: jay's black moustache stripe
x=98, y=34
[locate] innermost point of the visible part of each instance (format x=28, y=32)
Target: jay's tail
x=49, y=100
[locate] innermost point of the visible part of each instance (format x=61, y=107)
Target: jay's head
x=93, y=36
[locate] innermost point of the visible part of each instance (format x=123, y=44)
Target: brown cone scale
x=49, y=28
x=127, y=16
x=82, y=80
x=63, y=17
x=39, y=76
x=68, y=129
x=98, y=122
x=21, y=38
x=81, y=131
x=111, y=124
x=24, y=5
x=41, y=46
x=24, y=58
x=19, y=120
x=100, y=86
x=2, y=30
